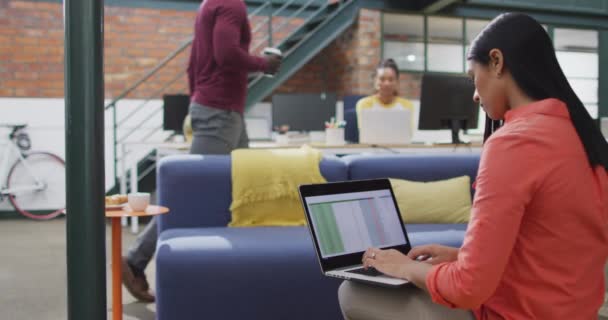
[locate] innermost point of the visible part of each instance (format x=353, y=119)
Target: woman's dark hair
x=391, y=64
x=530, y=58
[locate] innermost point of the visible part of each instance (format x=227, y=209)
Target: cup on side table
x=138, y=201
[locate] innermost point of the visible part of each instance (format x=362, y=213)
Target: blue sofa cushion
x=208, y=265
x=184, y=178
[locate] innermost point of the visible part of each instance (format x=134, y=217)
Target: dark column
x=84, y=94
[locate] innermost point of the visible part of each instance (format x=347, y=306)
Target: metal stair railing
x=271, y=30
x=299, y=47
x=310, y=19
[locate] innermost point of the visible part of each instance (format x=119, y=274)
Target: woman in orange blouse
x=537, y=240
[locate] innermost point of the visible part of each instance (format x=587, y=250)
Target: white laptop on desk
x=392, y=126
x=345, y=219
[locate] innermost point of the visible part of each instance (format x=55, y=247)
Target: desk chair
x=351, y=131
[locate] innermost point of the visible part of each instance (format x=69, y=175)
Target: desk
x=396, y=149
x=116, y=216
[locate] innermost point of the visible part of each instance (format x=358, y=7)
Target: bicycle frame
x=5, y=166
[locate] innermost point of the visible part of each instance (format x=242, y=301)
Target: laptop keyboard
x=372, y=272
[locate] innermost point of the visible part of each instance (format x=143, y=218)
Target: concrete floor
x=33, y=272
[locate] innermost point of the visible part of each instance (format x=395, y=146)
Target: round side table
x=115, y=215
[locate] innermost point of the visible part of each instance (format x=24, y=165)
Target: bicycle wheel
x=47, y=202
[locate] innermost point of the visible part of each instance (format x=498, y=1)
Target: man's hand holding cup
x=273, y=58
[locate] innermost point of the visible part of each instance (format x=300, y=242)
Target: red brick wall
x=136, y=39
x=31, y=56
x=32, y=47
x=347, y=65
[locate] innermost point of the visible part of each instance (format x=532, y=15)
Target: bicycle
x=35, y=183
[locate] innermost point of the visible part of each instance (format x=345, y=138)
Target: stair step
x=316, y=21
x=310, y=26
x=293, y=40
x=254, y=78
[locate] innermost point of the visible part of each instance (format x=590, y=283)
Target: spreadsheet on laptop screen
x=352, y=222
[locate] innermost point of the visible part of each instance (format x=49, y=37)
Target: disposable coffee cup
x=272, y=52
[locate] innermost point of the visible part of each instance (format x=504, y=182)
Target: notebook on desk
x=378, y=126
x=347, y=218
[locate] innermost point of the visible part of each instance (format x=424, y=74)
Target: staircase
x=324, y=25
x=319, y=23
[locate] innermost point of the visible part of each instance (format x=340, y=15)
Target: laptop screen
x=391, y=126
x=352, y=222
x=347, y=218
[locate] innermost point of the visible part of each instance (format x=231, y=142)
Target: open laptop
x=346, y=218
x=392, y=126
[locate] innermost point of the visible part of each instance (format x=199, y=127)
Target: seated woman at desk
x=386, y=83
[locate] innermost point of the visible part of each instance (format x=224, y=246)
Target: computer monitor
x=446, y=102
x=175, y=110
x=303, y=111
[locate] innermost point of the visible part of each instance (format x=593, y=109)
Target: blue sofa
x=205, y=270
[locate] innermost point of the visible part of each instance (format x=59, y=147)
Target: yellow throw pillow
x=265, y=185
x=444, y=201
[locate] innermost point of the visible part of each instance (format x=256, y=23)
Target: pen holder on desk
x=282, y=139
x=334, y=136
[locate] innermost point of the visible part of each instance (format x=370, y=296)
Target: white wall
x=46, y=126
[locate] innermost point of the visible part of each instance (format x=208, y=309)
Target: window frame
x=551, y=31
x=550, y=27
x=426, y=40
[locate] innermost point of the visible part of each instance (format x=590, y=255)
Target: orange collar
x=550, y=106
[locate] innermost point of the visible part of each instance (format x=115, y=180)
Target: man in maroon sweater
x=217, y=75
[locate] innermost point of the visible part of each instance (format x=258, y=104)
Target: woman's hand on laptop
x=396, y=264
x=433, y=254
x=390, y=262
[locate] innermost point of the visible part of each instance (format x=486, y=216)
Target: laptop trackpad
x=371, y=272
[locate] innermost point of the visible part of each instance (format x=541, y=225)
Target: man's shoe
x=136, y=284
